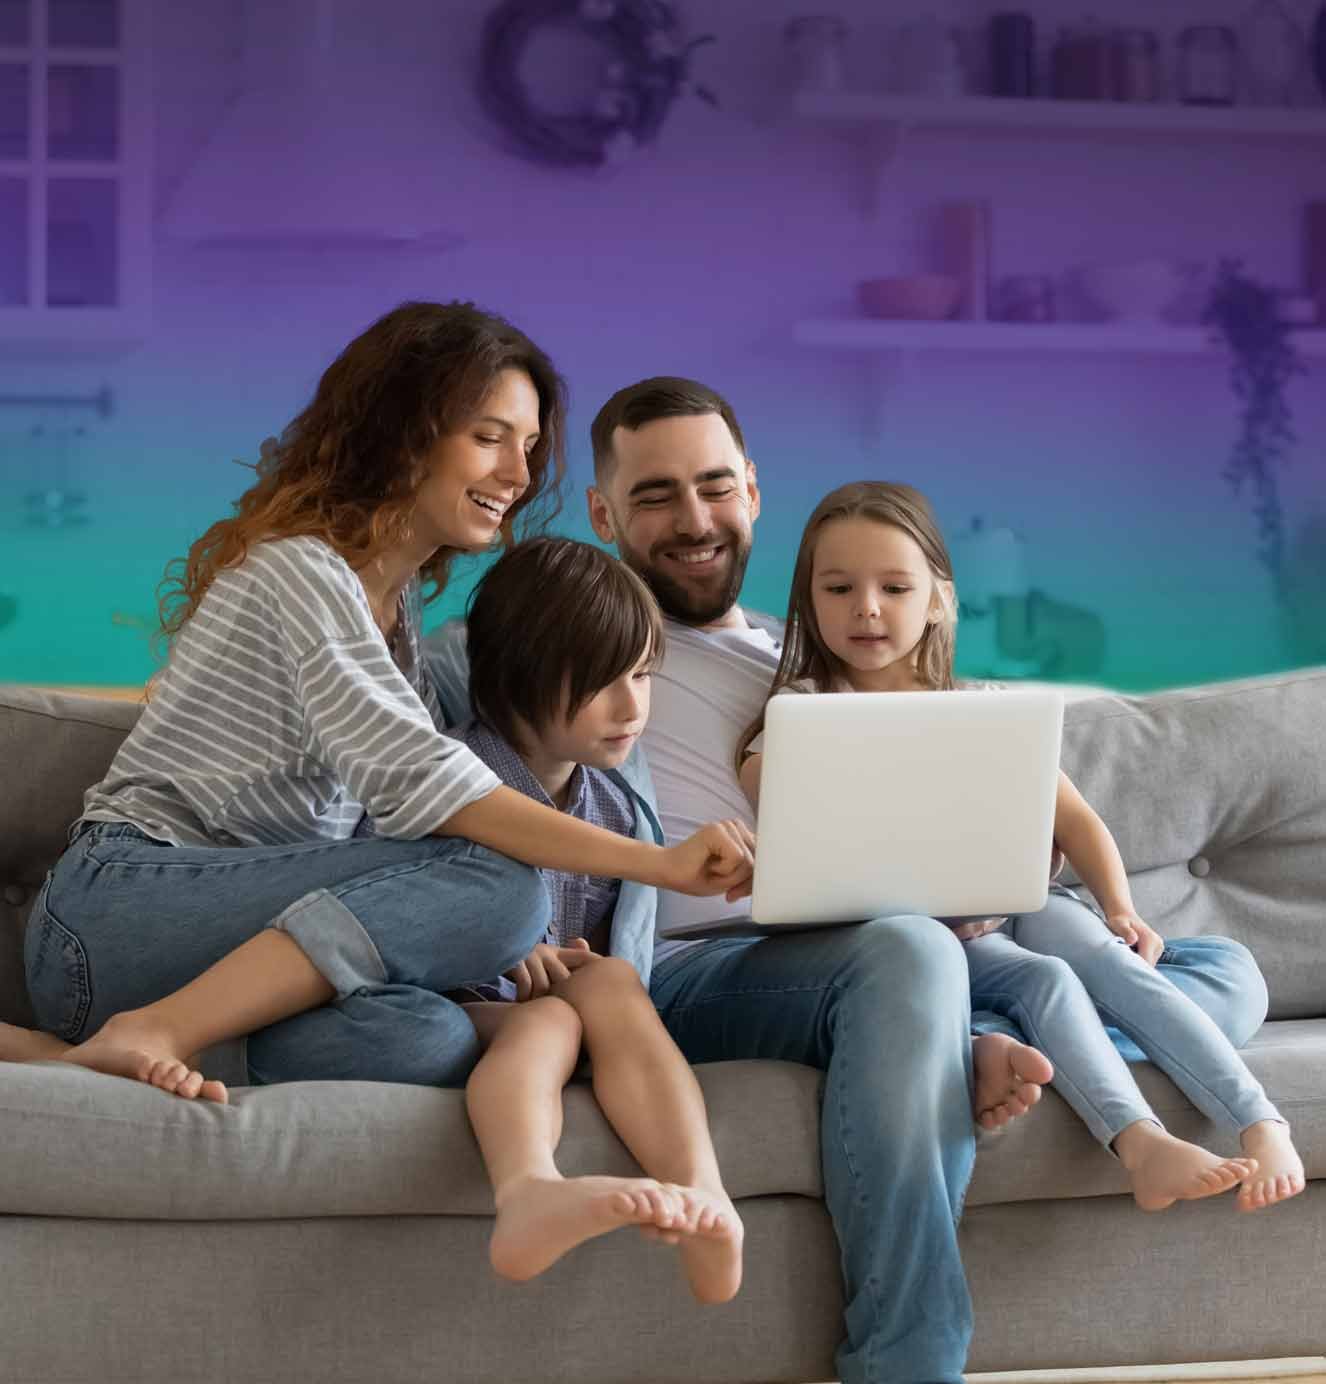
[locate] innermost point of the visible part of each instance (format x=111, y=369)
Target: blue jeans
x=883, y=1010
x=1060, y=972
x=122, y=921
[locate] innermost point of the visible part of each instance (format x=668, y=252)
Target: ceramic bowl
x=916, y=297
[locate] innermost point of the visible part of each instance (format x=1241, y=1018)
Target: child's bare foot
x=711, y=1244
x=1164, y=1169
x=540, y=1218
x=1008, y=1078
x=29, y=1045
x=1279, y=1174
x=126, y=1046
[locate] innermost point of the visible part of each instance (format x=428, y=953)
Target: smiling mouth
x=494, y=508
x=696, y=557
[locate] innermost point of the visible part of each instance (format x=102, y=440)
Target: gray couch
x=337, y=1231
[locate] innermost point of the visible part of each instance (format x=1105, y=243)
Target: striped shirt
x=283, y=717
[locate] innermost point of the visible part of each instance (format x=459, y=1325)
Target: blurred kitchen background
x=1064, y=272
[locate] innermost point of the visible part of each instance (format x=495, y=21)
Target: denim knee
x=1240, y=977
x=524, y=896
x=909, y=961
x=1048, y=974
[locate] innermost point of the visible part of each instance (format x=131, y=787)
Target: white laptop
x=872, y=804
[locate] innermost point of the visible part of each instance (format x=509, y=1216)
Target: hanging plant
x=1245, y=316
x=646, y=68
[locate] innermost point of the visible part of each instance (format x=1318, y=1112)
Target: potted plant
x=1245, y=315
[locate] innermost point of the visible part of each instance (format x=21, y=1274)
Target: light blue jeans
x=883, y=1010
x=122, y=921
x=1059, y=972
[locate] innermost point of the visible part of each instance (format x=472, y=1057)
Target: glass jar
x=1082, y=64
x=1208, y=65
x=814, y=46
x=1136, y=65
x=1012, y=40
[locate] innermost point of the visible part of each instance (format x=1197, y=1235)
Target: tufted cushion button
x=15, y=895
x=1200, y=866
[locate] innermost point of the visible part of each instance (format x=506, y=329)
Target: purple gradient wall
x=698, y=257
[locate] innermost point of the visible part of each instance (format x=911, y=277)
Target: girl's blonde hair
x=806, y=657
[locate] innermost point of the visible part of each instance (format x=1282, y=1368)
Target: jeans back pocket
x=57, y=972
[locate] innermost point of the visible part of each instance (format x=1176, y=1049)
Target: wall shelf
x=975, y=114
x=1058, y=338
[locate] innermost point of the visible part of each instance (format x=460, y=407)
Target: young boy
x=557, y=712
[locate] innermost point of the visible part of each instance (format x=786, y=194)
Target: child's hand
x=717, y=859
x=546, y=965
x=1136, y=933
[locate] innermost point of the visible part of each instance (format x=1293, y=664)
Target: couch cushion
x=1217, y=798
x=80, y=1144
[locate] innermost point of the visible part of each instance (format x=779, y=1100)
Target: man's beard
x=680, y=602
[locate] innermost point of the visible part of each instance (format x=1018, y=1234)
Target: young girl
x=558, y=714
x=873, y=609
x=286, y=833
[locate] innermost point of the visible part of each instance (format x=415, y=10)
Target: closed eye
x=653, y=501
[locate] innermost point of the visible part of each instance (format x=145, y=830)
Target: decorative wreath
x=649, y=69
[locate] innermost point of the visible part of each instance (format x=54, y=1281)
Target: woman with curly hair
x=286, y=846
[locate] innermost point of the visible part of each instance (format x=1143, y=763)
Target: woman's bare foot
x=29, y=1045
x=540, y=1218
x=1008, y=1078
x=126, y=1046
x=1279, y=1174
x=1164, y=1169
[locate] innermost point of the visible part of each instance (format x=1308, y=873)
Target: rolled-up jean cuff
x=334, y=940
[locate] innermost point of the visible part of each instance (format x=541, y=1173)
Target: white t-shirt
x=709, y=687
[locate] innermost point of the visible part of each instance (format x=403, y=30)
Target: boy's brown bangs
x=611, y=632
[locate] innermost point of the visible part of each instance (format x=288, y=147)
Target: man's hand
x=1136, y=933
x=546, y=965
x=718, y=859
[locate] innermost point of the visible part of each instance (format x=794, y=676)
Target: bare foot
x=125, y=1046
x=1279, y=1174
x=540, y=1218
x=1164, y=1169
x=711, y=1245
x=29, y=1045
x=1008, y=1078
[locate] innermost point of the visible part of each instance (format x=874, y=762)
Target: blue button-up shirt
x=582, y=905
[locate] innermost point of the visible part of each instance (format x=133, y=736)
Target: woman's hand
x=1136, y=933
x=718, y=859
x=546, y=965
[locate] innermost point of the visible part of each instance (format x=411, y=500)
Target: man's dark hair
x=663, y=396
x=552, y=623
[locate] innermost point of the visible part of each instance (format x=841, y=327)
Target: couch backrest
x=53, y=746
x=1216, y=795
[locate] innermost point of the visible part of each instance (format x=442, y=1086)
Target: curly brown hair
x=805, y=656
x=344, y=470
